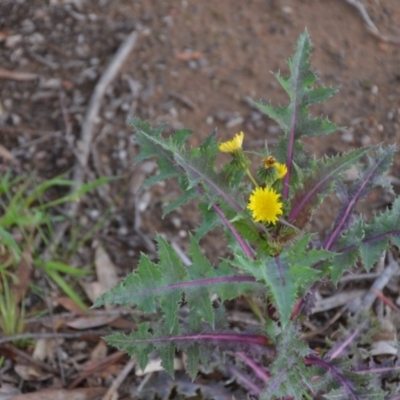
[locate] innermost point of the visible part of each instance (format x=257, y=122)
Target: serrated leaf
x=317, y=184
x=369, y=178
x=275, y=272
x=164, y=284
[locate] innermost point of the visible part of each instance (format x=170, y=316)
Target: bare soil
x=194, y=65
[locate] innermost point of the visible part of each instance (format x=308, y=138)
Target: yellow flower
x=281, y=169
x=265, y=205
x=233, y=145
x=269, y=162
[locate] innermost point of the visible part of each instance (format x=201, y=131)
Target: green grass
x=29, y=212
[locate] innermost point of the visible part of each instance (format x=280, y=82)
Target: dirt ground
x=193, y=65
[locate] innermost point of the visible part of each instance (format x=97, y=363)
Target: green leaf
x=165, y=283
x=8, y=240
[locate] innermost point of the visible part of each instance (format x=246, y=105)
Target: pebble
x=52, y=83
x=36, y=38
x=144, y=201
x=366, y=140
x=94, y=61
x=347, y=137
x=168, y=20
x=273, y=129
x=16, y=119
x=13, y=40
x=123, y=230
x=234, y=122
x=177, y=222
x=8, y=103
x=94, y=214
x=374, y=90
x=192, y=64
x=287, y=9
x=182, y=233
x=27, y=26
x=109, y=115
x=122, y=154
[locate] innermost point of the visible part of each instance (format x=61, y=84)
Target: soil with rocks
x=193, y=65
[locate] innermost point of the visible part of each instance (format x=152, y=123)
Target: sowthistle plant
x=265, y=219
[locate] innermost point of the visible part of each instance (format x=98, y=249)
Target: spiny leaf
x=164, y=284
x=286, y=273
x=367, y=240
x=290, y=376
x=294, y=120
x=198, y=164
x=142, y=342
x=317, y=184
x=200, y=171
x=369, y=178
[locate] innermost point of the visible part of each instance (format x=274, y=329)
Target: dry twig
x=51, y=335
x=118, y=381
x=98, y=366
x=17, y=76
x=380, y=283
x=87, y=129
x=370, y=25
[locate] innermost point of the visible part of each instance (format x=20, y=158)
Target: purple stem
x=337, y=350
x=245, y=247
x=202, y=282
x=285, y=191
x=336, y=232
x=245, y=381
x=257, y=340
x=312, y=360
x=260, y=372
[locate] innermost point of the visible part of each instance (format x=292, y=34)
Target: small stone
x=176, y=222
x=123, y=230
x=52, y=83
x=8, y=103
x=168, y=20
x=192, y=64
x=374, y=90
x=122, y=154
x=234, y=122
x=109, y=114
x=365, y=140
x=94, y=214
x=273, y=129
x=27, y=26
x=144, y=201
x=16, y=119
x=182, y=233
x=347, y=137
x=36, y=38
x=94, y=61
x=13, y=40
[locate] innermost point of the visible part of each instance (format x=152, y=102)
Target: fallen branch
x=372, y=28
x=17, y=76
x=87, y=130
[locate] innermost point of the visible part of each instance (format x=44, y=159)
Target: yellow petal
x=233, y=145
x=265, y=205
